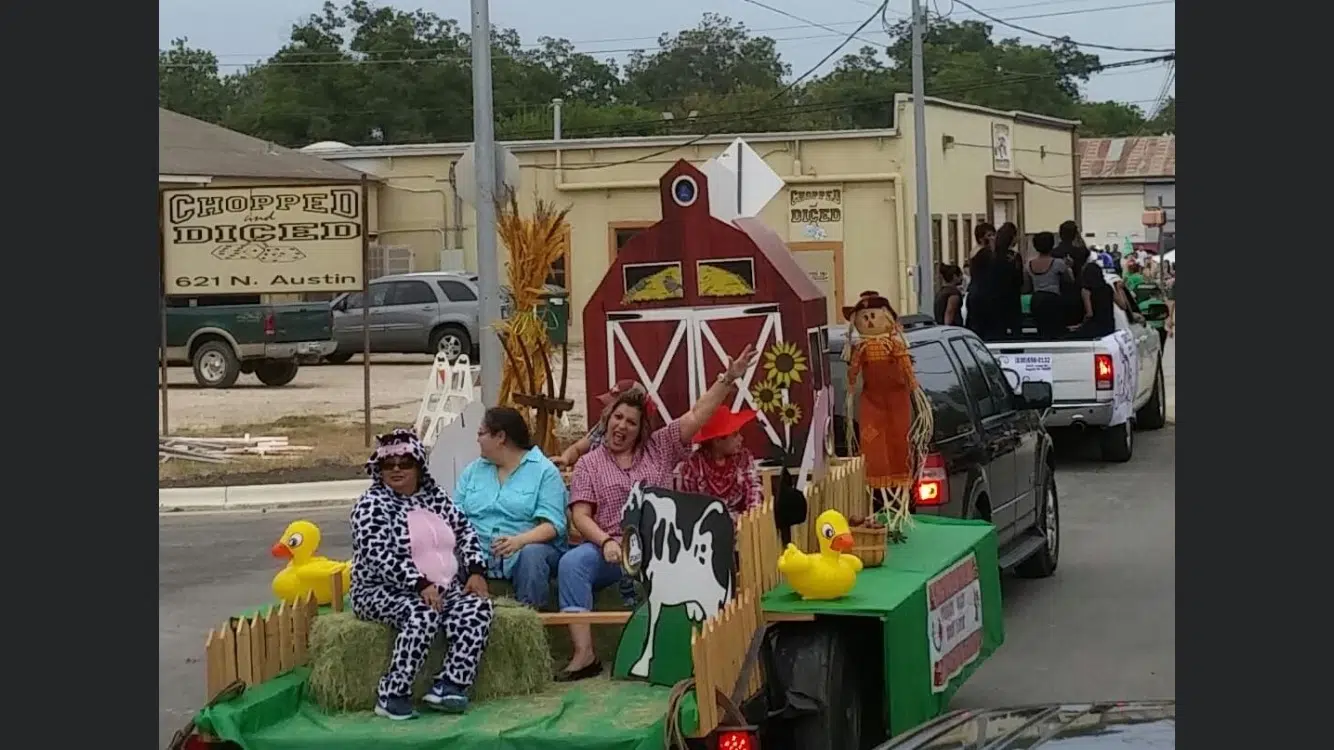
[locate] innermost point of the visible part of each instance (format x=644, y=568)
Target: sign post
x=270, y=239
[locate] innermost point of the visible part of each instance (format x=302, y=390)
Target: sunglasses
x=390, y=464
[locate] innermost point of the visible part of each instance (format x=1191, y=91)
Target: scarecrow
x=892, y=411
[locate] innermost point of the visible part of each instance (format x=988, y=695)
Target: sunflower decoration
x=790, y=414
x=784, y=363
x=767, y=395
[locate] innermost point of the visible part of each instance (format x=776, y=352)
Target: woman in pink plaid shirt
x=601, y=484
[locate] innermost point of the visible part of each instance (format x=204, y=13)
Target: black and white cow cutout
x=681, y=546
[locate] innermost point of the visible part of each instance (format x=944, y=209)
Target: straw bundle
x=535, y=243
x=348, y=656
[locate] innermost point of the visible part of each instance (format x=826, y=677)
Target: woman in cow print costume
x=405, y=575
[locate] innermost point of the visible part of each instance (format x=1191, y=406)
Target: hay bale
x=349, y=656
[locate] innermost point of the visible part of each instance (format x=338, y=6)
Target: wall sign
x=815, y=213
x=1000, y=147
x=262, y=240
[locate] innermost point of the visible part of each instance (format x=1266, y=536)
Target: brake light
x=736, y=739
x=933, y=487
x=1103, y=372
x=270, y=325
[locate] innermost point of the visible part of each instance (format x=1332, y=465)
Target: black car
x=1135, y=725
x=991, y=457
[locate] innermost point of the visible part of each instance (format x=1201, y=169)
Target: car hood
x=1135, y=725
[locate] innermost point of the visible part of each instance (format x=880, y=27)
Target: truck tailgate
x=1071, y=365
x=304, y=321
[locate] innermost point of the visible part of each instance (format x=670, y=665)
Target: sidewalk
x=261, y=496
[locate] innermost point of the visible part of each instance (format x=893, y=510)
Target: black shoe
x=592, y=670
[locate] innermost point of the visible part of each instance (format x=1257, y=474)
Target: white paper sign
x=954, y=621
x=1125, y=375
x=1029, y=367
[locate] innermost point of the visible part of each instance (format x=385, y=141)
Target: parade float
x=722, y=652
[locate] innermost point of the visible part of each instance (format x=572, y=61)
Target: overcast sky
x=242, y=31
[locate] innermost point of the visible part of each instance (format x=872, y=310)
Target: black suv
x=991, y=457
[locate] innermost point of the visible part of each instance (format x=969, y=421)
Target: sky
x=244, y=31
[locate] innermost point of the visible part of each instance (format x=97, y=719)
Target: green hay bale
x=349, y=656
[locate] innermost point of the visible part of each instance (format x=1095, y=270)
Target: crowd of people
x=423, y=559
x=1073, y=288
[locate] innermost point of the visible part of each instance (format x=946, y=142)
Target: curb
x=304, y=494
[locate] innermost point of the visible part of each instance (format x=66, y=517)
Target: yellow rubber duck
x=829, y=573
x=305, y=572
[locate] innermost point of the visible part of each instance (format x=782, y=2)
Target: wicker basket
x=870, y=545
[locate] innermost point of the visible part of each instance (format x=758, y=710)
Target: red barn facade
x=691, y=290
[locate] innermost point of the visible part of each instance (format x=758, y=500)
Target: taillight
x=736, y=739
x=1103, y=371
x=933, y=487
x=270, y=325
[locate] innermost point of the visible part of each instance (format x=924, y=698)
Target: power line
x=1066, y=39
x=432, y=56
x=778, y=95
x=716, y=121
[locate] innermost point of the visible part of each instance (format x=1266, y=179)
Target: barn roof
x=774, y=250
x=191, y=147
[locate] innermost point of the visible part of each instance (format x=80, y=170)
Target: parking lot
x=397, y=384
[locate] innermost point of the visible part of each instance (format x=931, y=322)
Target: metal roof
x=190, y=147
x=1149, y=157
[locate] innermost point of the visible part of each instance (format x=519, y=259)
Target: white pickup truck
x=1113, y=385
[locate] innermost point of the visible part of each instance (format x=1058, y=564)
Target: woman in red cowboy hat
x=721, y=466
x=885, y=410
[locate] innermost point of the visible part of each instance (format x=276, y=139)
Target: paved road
x=1103, y=628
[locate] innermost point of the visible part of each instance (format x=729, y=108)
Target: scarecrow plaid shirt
x=600, y=481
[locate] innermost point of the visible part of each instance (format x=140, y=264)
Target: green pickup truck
x=224, y=337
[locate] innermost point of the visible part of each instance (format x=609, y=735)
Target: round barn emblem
x=684, y=190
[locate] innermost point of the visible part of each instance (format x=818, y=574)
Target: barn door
x=721, y=332
x=654, y=347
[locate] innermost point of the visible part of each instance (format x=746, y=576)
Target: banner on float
x=1125, y=379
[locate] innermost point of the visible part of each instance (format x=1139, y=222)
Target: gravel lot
x=397, y=384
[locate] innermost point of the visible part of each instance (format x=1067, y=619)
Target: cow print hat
x=400, y=442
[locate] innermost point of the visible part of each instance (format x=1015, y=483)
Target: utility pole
x=484, y=162
x=925, y=273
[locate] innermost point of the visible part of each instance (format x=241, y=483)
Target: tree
x=716, y=58
x=188, y=82
x=1109, y=119
x=364, y=73
x=1166, y=119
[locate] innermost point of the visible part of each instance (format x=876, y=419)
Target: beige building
x=1120, y=178
x=846, y=211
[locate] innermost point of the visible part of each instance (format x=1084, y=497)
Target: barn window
x=726, y=277
x=652, y=282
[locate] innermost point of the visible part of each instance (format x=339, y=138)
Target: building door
x=1004, y=208
x=721, y=332
x=654, y=348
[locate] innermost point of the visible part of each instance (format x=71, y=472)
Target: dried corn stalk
x=535, y=242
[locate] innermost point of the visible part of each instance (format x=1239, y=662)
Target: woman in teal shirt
x=515, y=498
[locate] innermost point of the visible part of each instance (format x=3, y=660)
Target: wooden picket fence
x=718, y=650
x=757, y=549
x=842, y=488
x=258, y=648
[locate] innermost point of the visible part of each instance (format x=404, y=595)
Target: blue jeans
x=581, y=572
x=531, y=574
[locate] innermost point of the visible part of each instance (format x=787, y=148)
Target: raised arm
x=694, y=419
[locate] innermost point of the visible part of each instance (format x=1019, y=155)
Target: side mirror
x=340, y=304
x=1036, y=394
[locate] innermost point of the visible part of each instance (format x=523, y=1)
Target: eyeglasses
x=390, y=464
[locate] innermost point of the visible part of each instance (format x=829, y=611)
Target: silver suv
x=414, y=313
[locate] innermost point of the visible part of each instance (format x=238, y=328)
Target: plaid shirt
x=600, y=481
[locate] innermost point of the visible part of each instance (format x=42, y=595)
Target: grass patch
x=339, y=453
x=348, y=657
